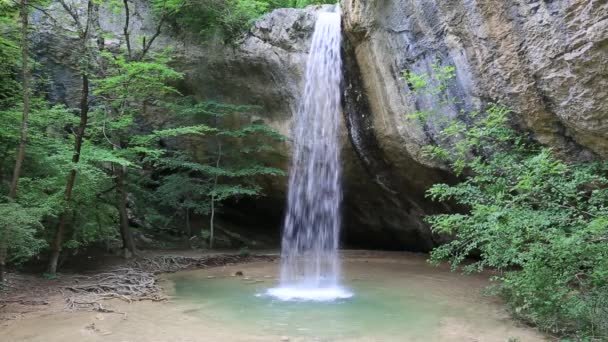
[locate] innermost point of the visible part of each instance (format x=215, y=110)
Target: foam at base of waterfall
x=318, y=294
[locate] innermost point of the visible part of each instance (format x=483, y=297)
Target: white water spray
x=310, y=267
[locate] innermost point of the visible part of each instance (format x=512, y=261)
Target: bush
x=540, y=222
x=18, y=229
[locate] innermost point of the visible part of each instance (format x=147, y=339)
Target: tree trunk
x=128, y=244
x=120, y=172
x=188, y=230
x=212, y=218
x=57, y=243
x=2, y=270
x=211, y=221
x=25, y=75
x=26, y=99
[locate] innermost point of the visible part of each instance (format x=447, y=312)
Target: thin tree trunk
x=57, y=242
x=125, y=31
x=188, y=230
x=26, y=99
x=2, y=269
x=120, y=171
x=128, y=244
x=25, y=75
x=211, y=220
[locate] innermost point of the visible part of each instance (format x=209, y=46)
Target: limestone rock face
x=544, y=59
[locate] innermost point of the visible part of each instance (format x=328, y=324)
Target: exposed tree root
x=137, y=281
x=128, y=284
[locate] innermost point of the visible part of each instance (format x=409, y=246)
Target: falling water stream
x=310, y=267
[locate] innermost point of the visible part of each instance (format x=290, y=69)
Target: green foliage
x=542, y=223
x=140, y=141
x=226, y=18
x=433, y=85
x=41, y=187
x=20, y=225
x=136, y=80
x=164, y=184
x=190, y=181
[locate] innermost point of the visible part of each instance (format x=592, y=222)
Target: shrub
x=542, y=223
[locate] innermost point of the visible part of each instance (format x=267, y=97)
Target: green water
x=397, y=298
x=374, y=310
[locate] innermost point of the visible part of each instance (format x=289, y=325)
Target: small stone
x=99, y=317
x=210, y=277
x=238, y=274
x=284, y=338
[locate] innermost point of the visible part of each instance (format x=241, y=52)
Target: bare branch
x=156, y=34
x=73, y=13
x=126, y=32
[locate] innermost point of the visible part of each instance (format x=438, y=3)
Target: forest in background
x=84, y=175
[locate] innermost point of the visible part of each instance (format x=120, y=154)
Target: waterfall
x=310, y=266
